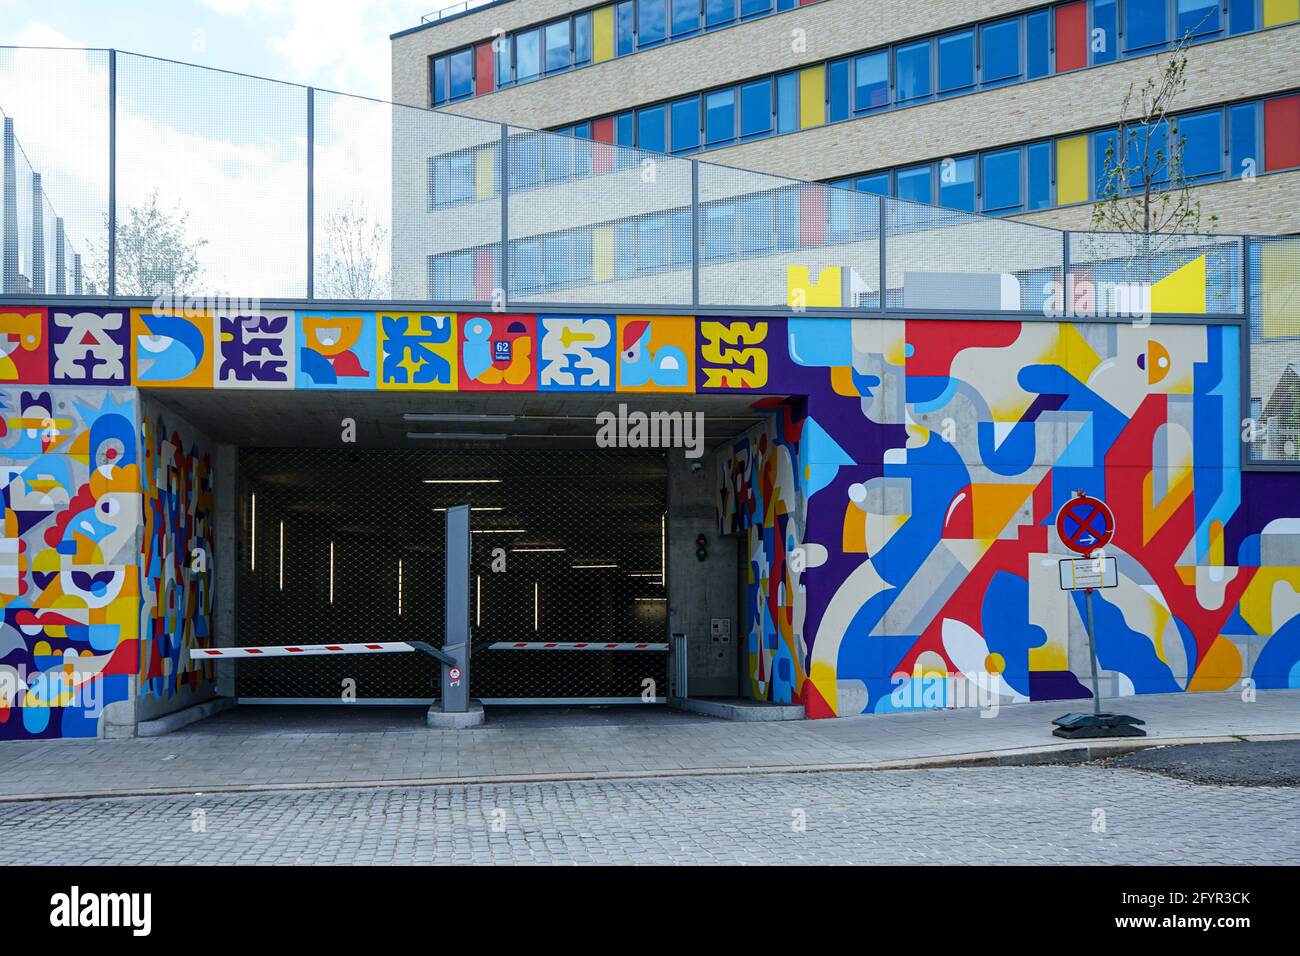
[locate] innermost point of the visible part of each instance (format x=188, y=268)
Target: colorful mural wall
x=896, y=508
x=176, y=558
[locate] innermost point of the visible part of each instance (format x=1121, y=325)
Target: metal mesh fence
x=1274, y=401
x=348, y=546
x=1154, y=265
x=945, y=259
x=594, y=223
x=214, y=166
x=766, y=241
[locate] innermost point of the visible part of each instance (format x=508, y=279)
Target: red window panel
x=812, y=216
x=602, y=156
x=1282, y=132
x=485, y=274
x=484, y=68
x=1071, y=36
x=804, y=3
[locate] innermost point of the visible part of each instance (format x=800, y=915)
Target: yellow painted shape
x=842, y=381
x=602, y=253
x=822, y=676
x=855, y=530
x=1050, y=657
x=812, y=96
x=1071, y=170
x=993, y=507
x=602, y=35
x=1277, y=12
x=1074, y=354
x=484, y=174
x=802, y=294
x=1154, y=516
x=1219, y=669
x=1279, y=303
x=1216, y=544
x=1182, y=291
x=1257, y=600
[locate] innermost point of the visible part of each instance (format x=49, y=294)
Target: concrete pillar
x=701, y=591
x=226, y=527
x=60, y=261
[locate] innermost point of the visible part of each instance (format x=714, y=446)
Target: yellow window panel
x=602, y=35
x=812, y=96
x=1277, y=12
x=1071, y=170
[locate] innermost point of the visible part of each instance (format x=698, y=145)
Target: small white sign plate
x=1080, y=573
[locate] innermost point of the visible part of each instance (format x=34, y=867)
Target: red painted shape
x=960, y=521
x=1282, y=132
x=602, y=150
x=812, y=216
x=332, y=647
x=934, y=344
x=484, y=68
x=814, y=704
x=1071, y=36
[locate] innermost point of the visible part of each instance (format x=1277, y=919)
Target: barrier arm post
x=454, y=708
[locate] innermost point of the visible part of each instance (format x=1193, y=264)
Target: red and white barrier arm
x=569, y=646
x=299, y=650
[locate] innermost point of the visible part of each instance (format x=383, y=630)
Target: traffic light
x=701, y=547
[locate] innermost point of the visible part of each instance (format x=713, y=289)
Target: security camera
x=696, y=466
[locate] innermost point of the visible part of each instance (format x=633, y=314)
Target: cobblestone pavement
x=306, y=746
x=1048, y=814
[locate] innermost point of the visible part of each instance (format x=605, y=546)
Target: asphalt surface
x=1257, y=764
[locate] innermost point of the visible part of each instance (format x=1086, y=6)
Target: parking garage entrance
x=342, y=546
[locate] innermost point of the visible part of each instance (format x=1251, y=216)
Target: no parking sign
x=1085, y=524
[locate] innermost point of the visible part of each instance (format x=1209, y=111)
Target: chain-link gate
x=347, y=546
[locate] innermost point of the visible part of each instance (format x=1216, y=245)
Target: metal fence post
x=311, y=192
x=10, y=208
x=695, y=233
x=881, y=222
x=112, y=173
x=38, y=237
x=1067, y=304
x=504, y=190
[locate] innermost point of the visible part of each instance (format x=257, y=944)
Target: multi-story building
x=1003, y=107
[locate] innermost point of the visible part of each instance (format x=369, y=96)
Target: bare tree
x=1143, y=188
x=155, y=253
x=351, y=265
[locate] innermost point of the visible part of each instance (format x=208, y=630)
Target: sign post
x=1086, y=525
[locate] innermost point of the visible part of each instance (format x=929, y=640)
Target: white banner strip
x=298, y=650
x=571, y=646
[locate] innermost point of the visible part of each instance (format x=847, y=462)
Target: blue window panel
x=754, y=8
x=650, y=129
x=1200, y=18
x=625, y=29
x=1038, y=44
x=652, y=243
x=1000, y=46
x=1038, y=162
x=557, y=158
x=679, y=243
x=719, y=228
x=557, y=46
x=526, y=264
x=956, y=62
x=582, y=39
x=877, y=184
x=871, y=81
x=957, y=183
x=719, y=12
x=916, y=184
x=786, y=4
x=438, y=79
x=842, y=183
x=839, y=214
x=460, y=66
x=1241, y=16
x=1148, y=155
x=556, y=253
x=1146, y=24
x=686, y=125
x=756, y=109
x=582, y=131
x=1243, y=153
x=787, y=102
x=623, y=130
x=755, y=215
x=580, y=271
x=685, y=17
x=1103, y=143
x=504, y=49
x=528, y=62
x=1001, y=172
x=786, y=228
x=650, y=23
x=720, y=117
x=1201, y=138
x=624, y=248
x=525, y=161
x=912, y=72
x=1103, y=39
x=837, y=91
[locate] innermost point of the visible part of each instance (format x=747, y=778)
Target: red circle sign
x=454, y=673
x=1085, y=524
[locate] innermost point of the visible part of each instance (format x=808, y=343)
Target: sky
x=225, y=155
x=333, y=44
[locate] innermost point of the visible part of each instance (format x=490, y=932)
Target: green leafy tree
x=156, y=254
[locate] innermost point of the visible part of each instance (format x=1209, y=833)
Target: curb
x=1071, y=753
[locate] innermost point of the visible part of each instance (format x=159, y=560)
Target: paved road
x=1049, y=814
x=1260, y=764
